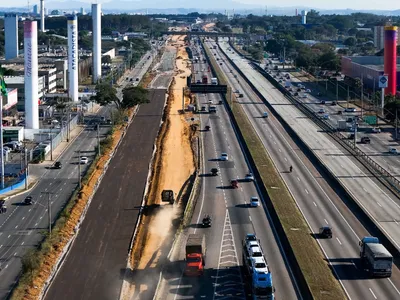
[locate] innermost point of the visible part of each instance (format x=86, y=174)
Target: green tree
x=134, y=95
x=329, y=61
x=392, y=105
x=106, y=94
x=351, y=41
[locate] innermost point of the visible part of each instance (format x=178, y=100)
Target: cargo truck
x=195, y=255
x=375, y=257
x=257, y=274
x=341, y=124
x=214, y=81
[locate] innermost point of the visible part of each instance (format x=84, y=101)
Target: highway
x=232, y=219
x=318, y=201
x=22, y=227
x=380, y=144
x=95, y=265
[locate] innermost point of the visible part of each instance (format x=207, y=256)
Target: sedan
x=376, y=130
x=350, y=109
x=224, y=157
x=249, y=177
x=305, y=96
x=393, y=151
x=254, y=202
x=84, y=160
x=321, y=111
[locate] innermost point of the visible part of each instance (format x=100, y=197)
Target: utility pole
x=362, y=95
x=48, y=209
x=26, y=169
x=79, y=169
x=98, y=140
x=51, y=144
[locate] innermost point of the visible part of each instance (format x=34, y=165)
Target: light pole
x=48, y=209
x=79, y=169
x=51, y=143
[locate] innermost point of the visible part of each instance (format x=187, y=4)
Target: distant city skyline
x=317, y=4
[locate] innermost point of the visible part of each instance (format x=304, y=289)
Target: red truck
x=204, y=79
x=195, y=255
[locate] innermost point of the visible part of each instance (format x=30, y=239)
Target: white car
x=210, y=101
x=308, y=91
x=393, y=151
x=376, y=130
x=305, y=96
x=224, y=157
x=84, y=160
x=321, y=111
x=254, y=202
x=249, y=177
x=350, y=109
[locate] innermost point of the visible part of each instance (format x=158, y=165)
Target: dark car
x=365, y=140
x=325, y=232
x=333, y=103
x=214, y=171
x=28, y=200
x=58, y=165
x=351, y=136
x=206, y=221
x=296, y=94
x=3, y=206
x=322, y=101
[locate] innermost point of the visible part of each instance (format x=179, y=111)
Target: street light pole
x=48, y=209
x=51, y=144
x=98, y=139
x=79, y=169
x=26, y=169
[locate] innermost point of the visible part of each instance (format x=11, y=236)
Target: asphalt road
x=378, y=149
x=232, y=219
x=319, y=203
x=22, y=227
x=96, y=263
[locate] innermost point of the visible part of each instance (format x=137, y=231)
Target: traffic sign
x=383, y=81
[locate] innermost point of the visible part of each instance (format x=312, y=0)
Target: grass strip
x=316, y=271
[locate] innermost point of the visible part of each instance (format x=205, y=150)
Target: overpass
x=208, y=34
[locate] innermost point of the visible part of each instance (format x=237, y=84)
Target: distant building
x=11, y=35
x=82, y=11
x=36, y=9
x=367, y=67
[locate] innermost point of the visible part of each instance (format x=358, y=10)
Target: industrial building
x=369, y=68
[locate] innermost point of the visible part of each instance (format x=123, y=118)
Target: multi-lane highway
x=378, y=149
x=22, y=227
x=232, y=219
x=319, y=203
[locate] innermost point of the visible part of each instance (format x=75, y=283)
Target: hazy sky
x=323, y=4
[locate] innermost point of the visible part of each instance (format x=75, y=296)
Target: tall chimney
x=31, y=75
x=73, y=57
x=42, y=16
x=96, y=18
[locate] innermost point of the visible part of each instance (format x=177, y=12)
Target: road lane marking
x=352, y=261
x=315, y=204
x=397, y=223
x=298, y=178
x=306, y=191
x=16, y=227
x=23, y=218
x=285, y=159
x=339, y=241
x=279, y=150
x=250, y=219
x=30, y=209
x=393, y=286
x=372, y=293
x=326, y=221
x=9, y=236
x=379, y=204
x=36, y=224
x=22, y=243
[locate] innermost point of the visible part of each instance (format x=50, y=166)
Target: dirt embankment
x=174, y=163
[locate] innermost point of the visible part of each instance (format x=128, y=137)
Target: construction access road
x=318, y=201
x=95, y=265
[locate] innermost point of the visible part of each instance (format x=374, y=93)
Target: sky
x=322, y=4
x=329, y=4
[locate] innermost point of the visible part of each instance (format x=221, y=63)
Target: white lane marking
x=16, y=227
x=285, y=159
x=339, y=241
x=315, y=204
x=397, y=223
x=15, y=254
x=30, y=209
x=9, y=236
x=306, y=191
x=298, y=178
x=22, y=243
x=326, y=221
x=250, y=219
x=372, y=293
x=23, y=218
x=352, y=261
x=379, y=204
x=398, y=292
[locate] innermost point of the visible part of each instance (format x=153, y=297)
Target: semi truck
x=214, y=81
x=341, y=125
x=375, y=257
x=195, y=255
x=204, y=79
x=257, y=274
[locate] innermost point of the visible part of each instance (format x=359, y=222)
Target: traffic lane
x=309, y=199
x=254, y=219
x=350, y=182
x=102, y=244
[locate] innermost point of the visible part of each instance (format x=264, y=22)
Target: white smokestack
x=42, y=16
x=304, y=17
x=31, y=75
x=73, y=57
x=96, y=17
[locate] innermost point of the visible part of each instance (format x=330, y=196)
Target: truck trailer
x=257, y=274
x=195, y=255
x=375, y=257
